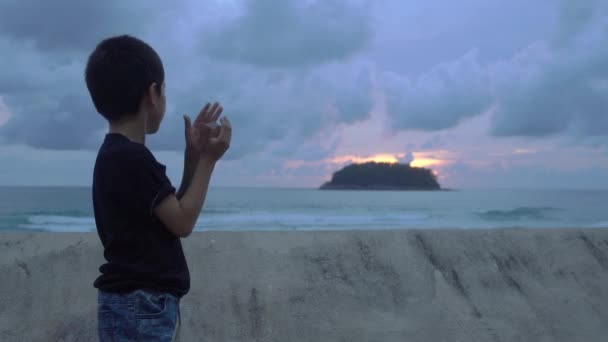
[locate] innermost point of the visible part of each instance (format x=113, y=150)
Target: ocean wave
x=291, y=220
x=601, y=224
x=219, y=211
x=62, y=213
x=12, y=221
x=59, y=223
x=270, y=220
x=519, y=214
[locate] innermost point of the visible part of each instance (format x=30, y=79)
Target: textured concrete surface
x=454, y=285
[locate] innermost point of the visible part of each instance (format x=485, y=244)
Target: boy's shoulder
x=119, y=146
x=118, y=152
x=123, y=163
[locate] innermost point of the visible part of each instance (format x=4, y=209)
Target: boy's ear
x=154, y=92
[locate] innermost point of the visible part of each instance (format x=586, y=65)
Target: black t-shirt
x=140, y=251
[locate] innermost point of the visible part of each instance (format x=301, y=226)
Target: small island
x=382, y=176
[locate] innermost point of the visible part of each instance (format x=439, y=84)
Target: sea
x=69, y=209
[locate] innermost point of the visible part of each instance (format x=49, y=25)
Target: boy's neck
x=132, y=127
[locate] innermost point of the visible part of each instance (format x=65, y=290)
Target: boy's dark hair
x=119, y=72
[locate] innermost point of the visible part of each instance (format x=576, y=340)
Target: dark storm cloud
x=74, y=24
x=264, y=107
x=441, y=98
x=44, y=45
x=43, y=87
x=555, y=86
x=576, y=16
x=280, y=33
x=47, y=100
x=72, y=125
x=563, y=87
x=286, y=78
x=436, y=142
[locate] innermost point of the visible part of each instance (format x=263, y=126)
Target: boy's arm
x=207, y=115
x=179, y=215
x=191, y=158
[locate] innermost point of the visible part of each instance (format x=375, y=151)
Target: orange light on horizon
x=431, y=159
x=420, y=159
x=378, y=158
x=426, y=162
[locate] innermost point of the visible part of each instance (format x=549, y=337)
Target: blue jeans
x=141, y=315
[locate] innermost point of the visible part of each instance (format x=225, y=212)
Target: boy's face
x=156, y=111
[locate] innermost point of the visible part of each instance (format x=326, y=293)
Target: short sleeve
x=152, y=183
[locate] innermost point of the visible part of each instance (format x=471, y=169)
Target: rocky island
x=382, y=176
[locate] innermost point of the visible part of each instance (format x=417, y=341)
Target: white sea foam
x=245, y=221
x=58, y=223
x=270, y=220
x=67, y=210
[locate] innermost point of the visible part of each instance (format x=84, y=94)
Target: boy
x=140, y=219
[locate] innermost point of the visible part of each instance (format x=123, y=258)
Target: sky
x=487, y=93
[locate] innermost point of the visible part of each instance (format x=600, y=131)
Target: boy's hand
x=197, y=135
x=218, y=145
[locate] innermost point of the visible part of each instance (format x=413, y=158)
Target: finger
x=228, y=136
x=217, y=113
x=226, y=124
x=226, y=121
x=225, y=132
x=211, y=112
x=201, y=115
x=187, y=124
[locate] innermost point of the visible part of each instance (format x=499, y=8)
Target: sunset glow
x=426, y=162
x=378, y=158
x=431, y=159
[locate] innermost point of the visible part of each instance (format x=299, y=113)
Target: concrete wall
x=479, y=285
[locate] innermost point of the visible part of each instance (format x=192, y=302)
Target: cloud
x=5, y=113
x=26, y=69
x=440, y=98
x=550, y=87
x=290, y=33
x=77, y=25
x=64, y=123
x=561, y=87
x=318, y=73
x=575, y=17
x=41, y=77
x=288, y=106
x=436, y=142
x=50, y=107
x=42, y=80
x=407, y=158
